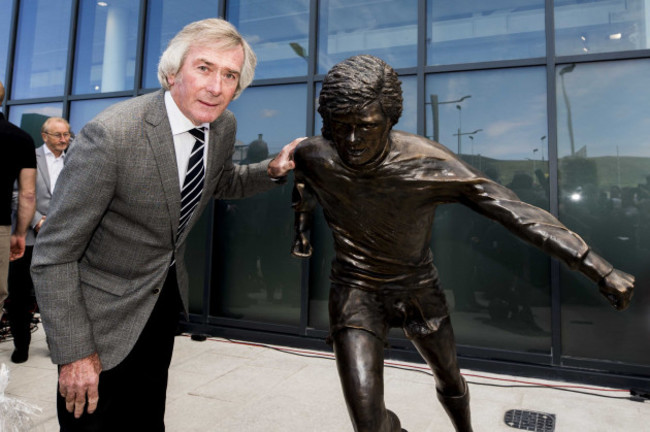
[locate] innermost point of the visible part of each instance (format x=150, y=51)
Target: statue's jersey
x=381, y=216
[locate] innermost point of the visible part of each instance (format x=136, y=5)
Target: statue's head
x=360, y=102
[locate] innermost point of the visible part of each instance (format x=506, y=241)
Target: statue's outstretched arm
x=540, y=228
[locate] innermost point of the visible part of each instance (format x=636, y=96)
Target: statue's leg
x=439, y=351
x=360, y=362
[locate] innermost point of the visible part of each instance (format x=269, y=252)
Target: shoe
x=19, y=356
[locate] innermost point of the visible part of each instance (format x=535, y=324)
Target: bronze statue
x=379, y=189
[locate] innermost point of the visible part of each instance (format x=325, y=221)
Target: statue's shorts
x=419, y=312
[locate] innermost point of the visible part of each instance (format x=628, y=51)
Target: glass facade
x=106, y=46
x=41, y=52
x=473, y=31
x=545, y=97
x=604, y=174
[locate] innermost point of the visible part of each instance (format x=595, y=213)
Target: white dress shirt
x=54, y=165
x=183, y=140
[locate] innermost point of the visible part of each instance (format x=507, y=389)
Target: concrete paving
x=224, y=386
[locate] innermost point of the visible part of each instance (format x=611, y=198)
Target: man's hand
x=79, y=381
x=617, y=287
x=17, y=247
x=283, y=162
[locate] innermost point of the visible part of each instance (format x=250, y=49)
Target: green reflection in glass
x=254, y=275
x=498, y=286
x=604, y=179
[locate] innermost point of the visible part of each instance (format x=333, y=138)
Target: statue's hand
x=301, y=247
x=617, y=287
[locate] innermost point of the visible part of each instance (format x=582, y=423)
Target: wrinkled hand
x=617, y=287
x=78, y=382
x=301, y=247
x=17, y=247
x=283, y=162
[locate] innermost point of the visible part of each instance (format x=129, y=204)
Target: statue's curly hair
x=357, y=82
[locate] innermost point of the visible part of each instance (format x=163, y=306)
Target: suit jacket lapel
x=41, y=165
x=160, y=138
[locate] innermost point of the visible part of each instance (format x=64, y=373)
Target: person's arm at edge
x=25, y=210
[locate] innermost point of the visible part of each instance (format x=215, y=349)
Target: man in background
x=18, y=163
x=49, y=161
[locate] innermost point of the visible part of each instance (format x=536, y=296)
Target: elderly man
x=108, y=263
x=379, y=189
x=18, y=163
x=49, y=161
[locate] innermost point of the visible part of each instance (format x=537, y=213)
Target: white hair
x=211, y=31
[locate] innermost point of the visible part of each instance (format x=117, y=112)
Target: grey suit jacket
x=43, y=193
x=110, y=236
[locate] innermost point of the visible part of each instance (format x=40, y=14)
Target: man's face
x=206, y=82
x=56, y=137
x=360, y=137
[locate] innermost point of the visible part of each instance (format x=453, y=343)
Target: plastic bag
x=15, y=415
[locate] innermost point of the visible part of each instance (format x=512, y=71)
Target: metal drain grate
x=530, y=420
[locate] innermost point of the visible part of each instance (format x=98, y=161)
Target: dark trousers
x=132, y=395
x=21, y=300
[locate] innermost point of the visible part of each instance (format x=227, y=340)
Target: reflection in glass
x=278, y=32
x=165, y=18
x=81, y=112
x=384, y=28
x=106, y=46
x=604, y=178
x=6, y=6
x=597, y=26
x=497, y=286
x=30, y=118
x=476, y=31
x=41, y=49
x=255, y=277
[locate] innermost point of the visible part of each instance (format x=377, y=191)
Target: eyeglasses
x=59, y=135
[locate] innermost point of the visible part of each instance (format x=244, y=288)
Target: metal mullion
x=10, y=56
x=139, y=55
x=72, y=41
x=551, y=109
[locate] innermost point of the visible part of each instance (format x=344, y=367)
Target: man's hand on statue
x=301, y=246
x=78, y=382
x=618, y=288
x=283, y=163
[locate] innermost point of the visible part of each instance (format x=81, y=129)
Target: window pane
x=165, y=18
x=384, y=28
x=278, y=32
x=81, y=112
x=255, y=276
x=476, y=31
x=604, y=170
x=41, y=49
x=497, y=286
x=6, y=6
x=30, y=118
x=596, y=26
x=106, y=46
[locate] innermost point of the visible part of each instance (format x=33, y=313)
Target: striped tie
x=193, y=184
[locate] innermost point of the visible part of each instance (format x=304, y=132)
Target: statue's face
x=360, y=137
